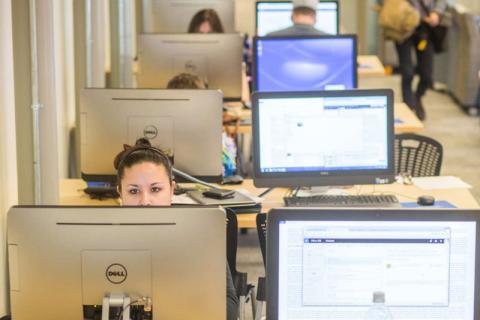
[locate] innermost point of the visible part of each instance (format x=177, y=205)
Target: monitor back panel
x=185, y=123
x=61, y=258
x=214, y=58
x=327, y=263
x=174, y=16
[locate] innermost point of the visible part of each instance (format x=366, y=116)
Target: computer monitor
x=215, y=58
x=323, y=138
x=174, y=16
x=186, y=124
x=64, y=260
x=275, y=15
x=309, y=63
x=326, y=263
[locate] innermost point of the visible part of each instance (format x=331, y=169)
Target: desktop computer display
x=215, y=58
x=186, y=124
x=275, y=15
x=310, y=63
x=65, y=262
x=174, y=16
x=323, y=138
x=327, y=263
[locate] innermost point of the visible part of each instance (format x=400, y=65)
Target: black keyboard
x=378, y=201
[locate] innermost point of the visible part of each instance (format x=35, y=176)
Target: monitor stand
x=312, y=191
x=116, y=300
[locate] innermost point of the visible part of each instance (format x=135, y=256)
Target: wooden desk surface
x=370, y=66
x=461, y=198
x=405, y=119
x=71, y=194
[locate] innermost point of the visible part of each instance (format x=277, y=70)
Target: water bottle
x=378, y=310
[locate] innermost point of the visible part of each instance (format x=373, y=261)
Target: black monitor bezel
x=257, y=3
x=309, y=178
x=275, y=216
x=353, y=37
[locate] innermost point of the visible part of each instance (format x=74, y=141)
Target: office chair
x=243, y=288
x=262, y=238
x=417, y=155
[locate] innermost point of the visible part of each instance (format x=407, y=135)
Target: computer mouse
x=426, y=200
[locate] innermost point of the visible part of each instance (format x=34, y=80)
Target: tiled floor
x=446, y=122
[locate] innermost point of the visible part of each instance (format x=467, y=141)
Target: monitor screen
x=276, y=15
x=186, y=124
x=214, y=58
x=323, y=138
x=151, y=255
x=174, y=16
x=327, y=264
x=305, y=63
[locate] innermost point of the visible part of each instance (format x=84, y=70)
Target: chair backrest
x=418, y=155
x=232, y=239
x=262, y=234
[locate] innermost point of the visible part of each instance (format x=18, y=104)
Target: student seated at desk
x=190, y=81
x=145, y=178
x=206, y=21
x=304, y=17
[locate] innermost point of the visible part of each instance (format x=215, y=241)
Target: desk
x=461, y=198
x=405, y=119
x=71, y=194
x=370, y=66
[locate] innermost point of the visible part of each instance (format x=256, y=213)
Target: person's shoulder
x=282, y=32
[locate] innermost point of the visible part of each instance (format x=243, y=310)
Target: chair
x=243, y=288
x=262, y=238
x=417, y=155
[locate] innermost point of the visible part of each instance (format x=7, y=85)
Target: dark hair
x=305, y=11
x=186, y=81
x=142, y=151
x=206, y=15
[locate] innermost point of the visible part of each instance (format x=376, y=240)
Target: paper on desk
x=444, y=182
x=183, y=199
x=247, y=193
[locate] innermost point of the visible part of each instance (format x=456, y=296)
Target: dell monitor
x=324, y=138
x=66, y=262
x=275, y=15
x=309, y=63
x=186, y=124
x=174, y=16
x=214, y=58
x=328, y=263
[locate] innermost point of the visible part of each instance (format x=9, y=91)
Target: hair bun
x=143, y=142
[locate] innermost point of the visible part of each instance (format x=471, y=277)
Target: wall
x=8, y=177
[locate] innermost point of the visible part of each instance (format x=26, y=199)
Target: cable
x=264, y=193
x=145, y=299
x=193, y=179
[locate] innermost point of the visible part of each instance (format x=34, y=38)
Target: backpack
x=399, y=19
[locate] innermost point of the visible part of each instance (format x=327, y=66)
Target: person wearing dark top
x=145, y=178
x=420, y=42
x=304, y=17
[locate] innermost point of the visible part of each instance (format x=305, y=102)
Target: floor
x=446, y=122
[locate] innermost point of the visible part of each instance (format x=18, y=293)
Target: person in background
x=304, y=17
x=206, y=21
x=430, y=12
x=145, y=178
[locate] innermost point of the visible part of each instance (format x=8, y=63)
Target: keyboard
x=368, y=201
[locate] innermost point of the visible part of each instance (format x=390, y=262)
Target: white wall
x=8, y=168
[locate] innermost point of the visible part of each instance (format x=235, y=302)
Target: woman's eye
x=156, y=189
x=133, y=191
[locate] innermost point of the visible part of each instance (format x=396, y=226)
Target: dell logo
x=116, y=273
x=150, y=132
